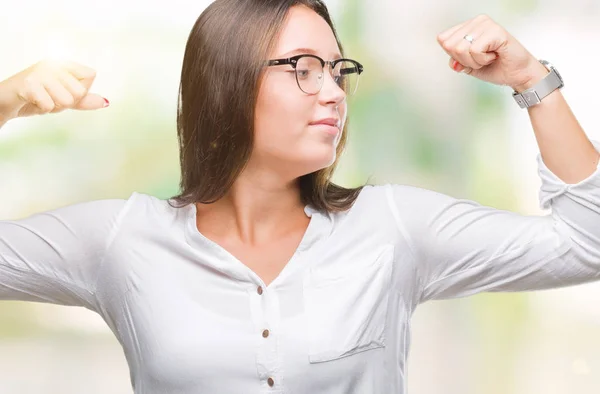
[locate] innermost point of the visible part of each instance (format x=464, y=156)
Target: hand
x=494, y=56
x=48, y=87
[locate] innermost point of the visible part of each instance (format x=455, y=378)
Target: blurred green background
x=413, y=121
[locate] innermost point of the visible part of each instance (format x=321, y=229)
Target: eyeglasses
x=310, y=76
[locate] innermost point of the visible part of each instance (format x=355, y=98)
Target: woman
x=262, y=276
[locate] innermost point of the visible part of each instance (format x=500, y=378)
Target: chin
x=322, y=162
x=309, y=161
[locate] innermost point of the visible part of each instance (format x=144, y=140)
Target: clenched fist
x=48, y=87
x=483, y=49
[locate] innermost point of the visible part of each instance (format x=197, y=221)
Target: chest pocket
x=346, y=307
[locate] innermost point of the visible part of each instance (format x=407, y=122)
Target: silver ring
x=469, y=38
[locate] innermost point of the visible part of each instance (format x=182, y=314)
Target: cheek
x=281, y=114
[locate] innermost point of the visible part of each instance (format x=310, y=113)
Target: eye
x=302, y=73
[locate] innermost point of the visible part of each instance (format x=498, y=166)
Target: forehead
x=304, y=28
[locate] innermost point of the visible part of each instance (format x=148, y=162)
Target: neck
x=254, y=211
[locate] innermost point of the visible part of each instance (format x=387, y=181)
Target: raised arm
x=461, y=247
x=54, y=256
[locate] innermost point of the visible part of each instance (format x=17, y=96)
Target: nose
x=330, y=91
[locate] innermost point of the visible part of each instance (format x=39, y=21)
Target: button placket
x=265, y=316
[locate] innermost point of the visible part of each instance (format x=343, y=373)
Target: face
x=284, y=137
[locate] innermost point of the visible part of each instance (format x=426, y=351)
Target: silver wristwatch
x=534, y=95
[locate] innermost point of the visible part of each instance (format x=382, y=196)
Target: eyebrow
x=306, y=50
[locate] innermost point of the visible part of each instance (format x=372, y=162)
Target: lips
x=328, y=129
x=335, y=122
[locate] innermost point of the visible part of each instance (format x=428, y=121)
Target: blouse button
x=271, y=382
x=265, y=333
x=259, y=290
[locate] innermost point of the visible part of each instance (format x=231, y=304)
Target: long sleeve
x=461, y=247
x=55, y=256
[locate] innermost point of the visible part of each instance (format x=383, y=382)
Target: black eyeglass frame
x=293, y=61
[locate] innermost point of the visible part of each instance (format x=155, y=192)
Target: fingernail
x=456, y=66
x=106, y=102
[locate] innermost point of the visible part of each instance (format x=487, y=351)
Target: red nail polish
x=456, y=65
x=106, y=102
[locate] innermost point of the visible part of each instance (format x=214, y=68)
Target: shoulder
x=84, y=214
x=113, y=213
x=145, y=212
x=405, y=207
x=377, y=206
x=390, y=195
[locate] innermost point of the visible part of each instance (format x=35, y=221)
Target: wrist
x=536, y=74
x=3, y=120
x=7, y=106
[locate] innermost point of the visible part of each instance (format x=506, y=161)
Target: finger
x=82, y=100
x=472, y=55
x=92, y=101
x=443, y=36
x=460, y=49
x=60, y=95
x=456, y=66
x=482, y=50
x=36, y=95
x=73, y=86
x=83, y=73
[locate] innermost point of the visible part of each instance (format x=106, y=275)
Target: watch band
x=534, y=95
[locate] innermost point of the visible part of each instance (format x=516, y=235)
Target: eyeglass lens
x=310, y=75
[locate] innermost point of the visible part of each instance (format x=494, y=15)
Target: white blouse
x=192, y=319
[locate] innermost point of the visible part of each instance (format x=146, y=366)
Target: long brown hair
x=220, y=78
